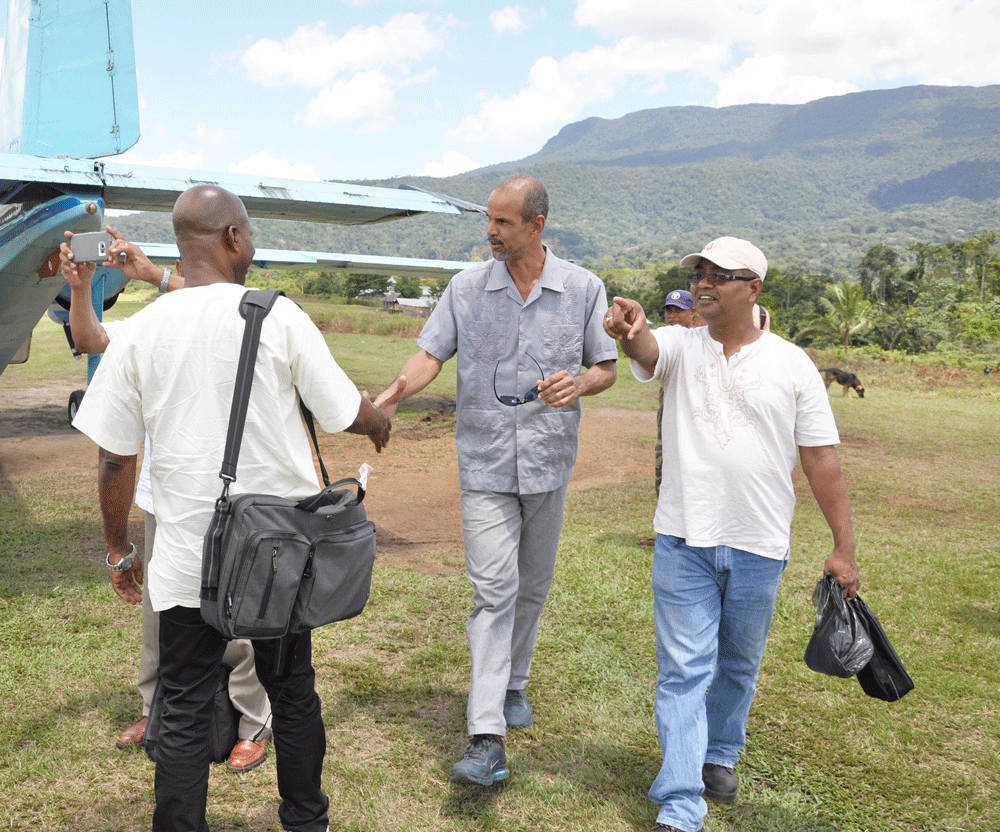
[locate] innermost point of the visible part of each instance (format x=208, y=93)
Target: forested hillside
x=814, y=184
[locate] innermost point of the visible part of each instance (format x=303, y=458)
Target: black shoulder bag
x=273, y=566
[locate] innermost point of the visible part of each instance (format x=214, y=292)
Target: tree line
x=927, y=297
x=924, y=298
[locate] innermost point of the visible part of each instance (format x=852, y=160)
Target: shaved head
x=205, y=210
x=213, y=235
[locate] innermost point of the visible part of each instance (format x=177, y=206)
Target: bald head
x=213, y=235
x=206, y=210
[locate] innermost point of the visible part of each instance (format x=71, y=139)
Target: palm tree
x=847, y=311
x=846, y=314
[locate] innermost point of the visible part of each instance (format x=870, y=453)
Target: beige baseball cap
x=731, y=253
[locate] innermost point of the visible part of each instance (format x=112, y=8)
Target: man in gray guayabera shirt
x=522, y=325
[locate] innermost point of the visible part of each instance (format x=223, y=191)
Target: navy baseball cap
x=681, y=298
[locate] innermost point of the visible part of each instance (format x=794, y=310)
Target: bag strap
x=308, y=418
x=254, y=306
x=331, y=496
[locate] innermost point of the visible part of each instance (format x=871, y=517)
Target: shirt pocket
x=562, y=349
x=484, y=341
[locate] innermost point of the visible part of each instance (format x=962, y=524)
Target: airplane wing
x=270, y=258
x=148, y=188
x=41, y=198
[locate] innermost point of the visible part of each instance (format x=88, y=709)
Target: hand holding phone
x=91, y=247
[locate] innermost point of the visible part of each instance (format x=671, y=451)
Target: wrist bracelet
x=165, y=282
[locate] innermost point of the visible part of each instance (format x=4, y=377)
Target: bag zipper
x=270, y=583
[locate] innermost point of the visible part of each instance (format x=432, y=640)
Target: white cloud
x=681, y=20
x=218, y=136
x=263, y=164
x=780, y=51
x=769, y=81
x=364, y=97
x=358, y=73
x=508, y=19
x=452, y=163
x=558, y=91
x=849, y=42
x=313, y=57
x=180, y=158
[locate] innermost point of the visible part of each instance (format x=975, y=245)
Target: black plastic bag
x=840, y=644
x=884, y=677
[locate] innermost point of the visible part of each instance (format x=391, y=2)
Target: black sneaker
x=484, y=763
x=721, y=783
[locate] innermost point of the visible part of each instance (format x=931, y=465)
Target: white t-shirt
x=143, y=491
x=170, y=373
x=731, y=431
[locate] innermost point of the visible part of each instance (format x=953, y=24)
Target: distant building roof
x=423, y=303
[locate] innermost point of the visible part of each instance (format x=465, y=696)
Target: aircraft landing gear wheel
x=75, y=400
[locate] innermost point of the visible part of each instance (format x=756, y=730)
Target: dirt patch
x=413, y=494
x=35, y=435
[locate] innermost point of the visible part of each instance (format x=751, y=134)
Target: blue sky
x=348, y=89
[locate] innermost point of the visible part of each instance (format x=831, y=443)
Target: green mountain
x=813, y=184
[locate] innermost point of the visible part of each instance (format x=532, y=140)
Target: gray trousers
x=510, y=556
x=245, y=690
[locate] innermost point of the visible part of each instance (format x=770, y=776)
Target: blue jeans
x=713, y=609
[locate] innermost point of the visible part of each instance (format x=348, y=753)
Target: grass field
x=921, y=454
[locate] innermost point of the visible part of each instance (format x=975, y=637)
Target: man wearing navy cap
x=678, y=308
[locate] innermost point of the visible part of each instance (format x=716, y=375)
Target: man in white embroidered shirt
x=171, y=371
x=740, y=405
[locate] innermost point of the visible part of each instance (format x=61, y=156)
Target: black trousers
x=190, y=653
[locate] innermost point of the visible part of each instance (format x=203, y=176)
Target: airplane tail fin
x=68, y=87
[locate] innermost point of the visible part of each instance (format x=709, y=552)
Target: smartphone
x=91, y=247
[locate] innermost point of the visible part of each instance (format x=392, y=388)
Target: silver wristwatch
x=124, y=564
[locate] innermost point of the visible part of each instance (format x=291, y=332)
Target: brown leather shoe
x=132, y=735
x=247, y=754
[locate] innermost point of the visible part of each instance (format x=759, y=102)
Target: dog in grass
x=844, y=379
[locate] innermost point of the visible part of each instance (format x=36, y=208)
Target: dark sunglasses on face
x=715, y=278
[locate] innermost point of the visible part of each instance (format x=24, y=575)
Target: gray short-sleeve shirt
x=498, y=338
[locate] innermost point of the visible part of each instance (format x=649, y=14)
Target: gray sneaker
x=484, y=763
x=517, y=710
x=721, y=783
